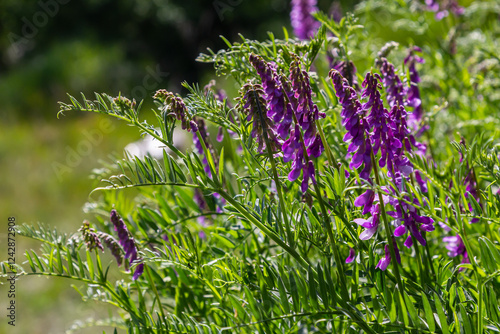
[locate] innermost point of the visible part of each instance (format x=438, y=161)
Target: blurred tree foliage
x=50, y=47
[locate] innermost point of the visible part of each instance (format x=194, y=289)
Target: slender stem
x=263, y=123
x=151, y=283
x=480, y=306
x=328, y=150
x=326, y=218
x=429, y=258
x=268, y=232
x=390, y=236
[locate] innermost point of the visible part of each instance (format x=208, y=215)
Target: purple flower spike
x=272, y=87
x=125, y=240
x=413, y=93
x=303, y=23
x=113, y=246
x=352, y=256
x=202, y=129
x=352, y=119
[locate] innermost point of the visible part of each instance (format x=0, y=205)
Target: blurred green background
x=49, y=48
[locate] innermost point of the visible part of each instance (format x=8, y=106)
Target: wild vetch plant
x=352, y=187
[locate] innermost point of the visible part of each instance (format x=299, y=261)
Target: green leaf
x=465, y=320
x=411, y=310
x=443, y=321
x=429, y=316
x=221, y=165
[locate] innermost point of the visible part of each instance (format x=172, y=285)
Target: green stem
x=151, y=283
x=263, y=123
x=326, y=218
x=268, y=232
x=480, y=306
x=390, y=236
x=328, y=150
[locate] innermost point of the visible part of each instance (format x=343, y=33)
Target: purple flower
x=303, y=23
x=125, y=240
x=279, y=110
x=470, y=185
x=306, y=111
x=386, y=260
x=371, y=225
x=138, y=271
x=392, y=83
x=356, y=126
x=378, y=119
x=352, y=255
x=442, y=8
x=408, y=220
x=413, y=93
x=347, y=70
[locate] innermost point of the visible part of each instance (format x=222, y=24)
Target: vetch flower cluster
x=278, y=109
x=357, y=127
x=289, y=100
x=388, y=133
x=202, y=130
x=442, y=8
x=253, y=104
x=413, y=92
x=127, y=242
x=303, y=23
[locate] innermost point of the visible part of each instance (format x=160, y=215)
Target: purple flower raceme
x=357, y=134
x=276, y=104
x=392, y=83
x=303, y=23
x=346, y=69
x=388, y=133
x=127, y=242
x=288, y=101
x=306, y=111
x=413, y=93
